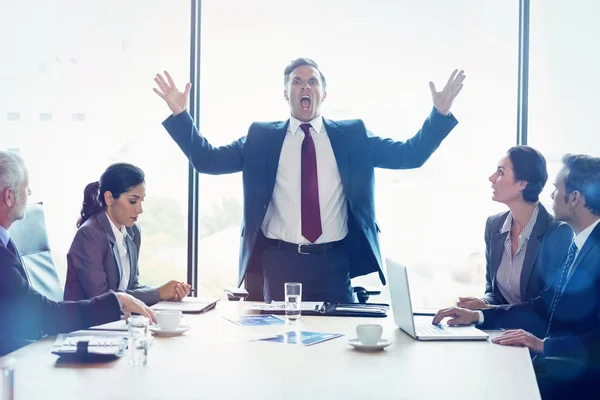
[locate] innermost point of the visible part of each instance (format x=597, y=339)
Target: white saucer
x=162, y=332
x=380, y=345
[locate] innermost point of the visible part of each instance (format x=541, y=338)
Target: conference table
x=217, y=359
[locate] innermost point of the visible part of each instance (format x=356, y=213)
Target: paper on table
x=120, y=325
x=301, y=337
x=187, y=305
x=256, y=320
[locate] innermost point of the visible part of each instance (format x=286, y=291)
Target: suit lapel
x=498, y=239
x=107, y=228
x=533, y=246
x=12, y=250
x=340, y=151
x=275, y=143
x=132, y=258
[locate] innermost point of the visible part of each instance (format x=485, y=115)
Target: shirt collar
x=119, y=234
x=4, y=236
x=582, y=237
x=316, y=123
x=526, y=233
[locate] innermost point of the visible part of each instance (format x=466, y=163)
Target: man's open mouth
x=305, y=103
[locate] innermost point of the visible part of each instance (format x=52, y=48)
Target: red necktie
x=310, y=210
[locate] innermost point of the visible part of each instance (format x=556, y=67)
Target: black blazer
x=546, y=247
x=26, y=315
x=575, y=330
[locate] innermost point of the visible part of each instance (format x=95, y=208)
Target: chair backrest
x=31, y=240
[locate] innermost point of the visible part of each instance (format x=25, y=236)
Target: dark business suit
x=94, y=265
x=26, y=315
x=357, y=152
x=575, y=327
x=546, y=247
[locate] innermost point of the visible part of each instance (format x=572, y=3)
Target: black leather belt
x=305, y=248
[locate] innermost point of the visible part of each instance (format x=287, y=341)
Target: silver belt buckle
x=300, y=249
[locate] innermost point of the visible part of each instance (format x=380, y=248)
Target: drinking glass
x=139, y=340
x=7, y=379
x=293, y=301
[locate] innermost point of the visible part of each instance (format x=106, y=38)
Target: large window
x=563, y=89
x=76, y=95
x=378, y=57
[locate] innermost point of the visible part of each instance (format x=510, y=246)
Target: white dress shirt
x=508, y=274
x=120, y=236
x=283, y=218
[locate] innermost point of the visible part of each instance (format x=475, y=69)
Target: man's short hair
x=298, y=62
x=583, y=176
x=12, y=171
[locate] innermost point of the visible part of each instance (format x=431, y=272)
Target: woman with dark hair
x=525, y=245
x=104, y=254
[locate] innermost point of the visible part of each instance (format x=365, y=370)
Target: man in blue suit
x=309, y=213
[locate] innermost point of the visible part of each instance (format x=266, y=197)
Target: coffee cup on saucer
x=168, y=320
x=369, y=334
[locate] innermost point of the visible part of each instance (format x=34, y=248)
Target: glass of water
x=7, y=379
x=293, y=301
x=138, y=339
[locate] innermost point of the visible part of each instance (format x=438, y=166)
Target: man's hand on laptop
x=458, y=316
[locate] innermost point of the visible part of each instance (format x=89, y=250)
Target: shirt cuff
x=480, y=317
x=119, y=301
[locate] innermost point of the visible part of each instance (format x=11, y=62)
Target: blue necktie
x=563, y=283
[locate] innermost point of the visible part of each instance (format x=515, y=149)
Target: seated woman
x=104, y=254
x=525, y=246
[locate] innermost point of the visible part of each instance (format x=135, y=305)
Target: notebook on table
x=188, y=305
x=90, y=346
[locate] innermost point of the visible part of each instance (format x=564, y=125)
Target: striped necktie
x=563, y=283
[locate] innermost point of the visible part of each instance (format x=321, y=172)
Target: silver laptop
x=420, y=327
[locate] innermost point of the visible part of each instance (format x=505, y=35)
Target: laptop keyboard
x=427, y=329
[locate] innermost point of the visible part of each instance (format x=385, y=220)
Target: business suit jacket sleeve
x=147, y=294
x=204, y=157
x=489, y=296
x=413, y=153
x=553, y=250
x=28, y=315
x=86, y=257
x=529, y=316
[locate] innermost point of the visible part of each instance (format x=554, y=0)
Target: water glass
x=7, y=379
x=293, y=301
x=139, y=340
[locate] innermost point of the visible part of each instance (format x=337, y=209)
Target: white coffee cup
x=369, y=334
x=168, y=320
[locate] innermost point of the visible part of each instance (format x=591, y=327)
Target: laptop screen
x=400, y=297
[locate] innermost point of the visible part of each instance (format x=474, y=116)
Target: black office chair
x=31, y=240
x=253, y=290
